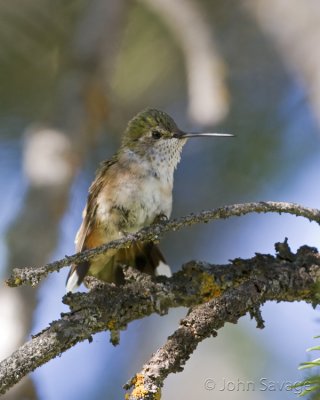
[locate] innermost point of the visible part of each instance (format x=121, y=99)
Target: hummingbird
x=131, y=191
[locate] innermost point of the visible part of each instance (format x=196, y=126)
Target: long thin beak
x=187, y=135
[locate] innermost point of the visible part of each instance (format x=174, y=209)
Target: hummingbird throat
x=164, y=157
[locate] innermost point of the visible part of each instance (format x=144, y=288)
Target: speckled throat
x=164, y=157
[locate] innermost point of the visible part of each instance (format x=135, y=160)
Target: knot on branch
x=283, y=251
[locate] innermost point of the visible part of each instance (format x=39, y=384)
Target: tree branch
x=202, y=322
x=231, y=291
x=33, y=275
x=266, y=281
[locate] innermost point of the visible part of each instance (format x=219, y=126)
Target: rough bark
x=224, y=292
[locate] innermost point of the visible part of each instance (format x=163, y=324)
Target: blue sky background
x=269, y=104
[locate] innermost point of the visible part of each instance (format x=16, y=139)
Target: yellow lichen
x=209, y=288
x=139, y=390
x=111, y=325
x=17, y=281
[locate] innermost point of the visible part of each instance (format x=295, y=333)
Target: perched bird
x=131, y=191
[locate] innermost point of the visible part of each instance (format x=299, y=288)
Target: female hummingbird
x=131, y=191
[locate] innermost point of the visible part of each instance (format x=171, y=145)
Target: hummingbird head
x=154, y=134
x=148, y=127
x=152, y=126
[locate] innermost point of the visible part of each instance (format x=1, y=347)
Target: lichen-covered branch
x=33, y=275
x=204, y=320
x=224, y=289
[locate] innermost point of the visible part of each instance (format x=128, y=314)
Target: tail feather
x=163, y=269
x=146, y=257
x=76, y=275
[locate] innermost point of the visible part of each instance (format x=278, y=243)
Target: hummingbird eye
x=156, y=134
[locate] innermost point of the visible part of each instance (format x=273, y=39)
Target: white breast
x=142, y=198
x=146, y=198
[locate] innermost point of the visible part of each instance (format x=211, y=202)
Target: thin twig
x=33, y=275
